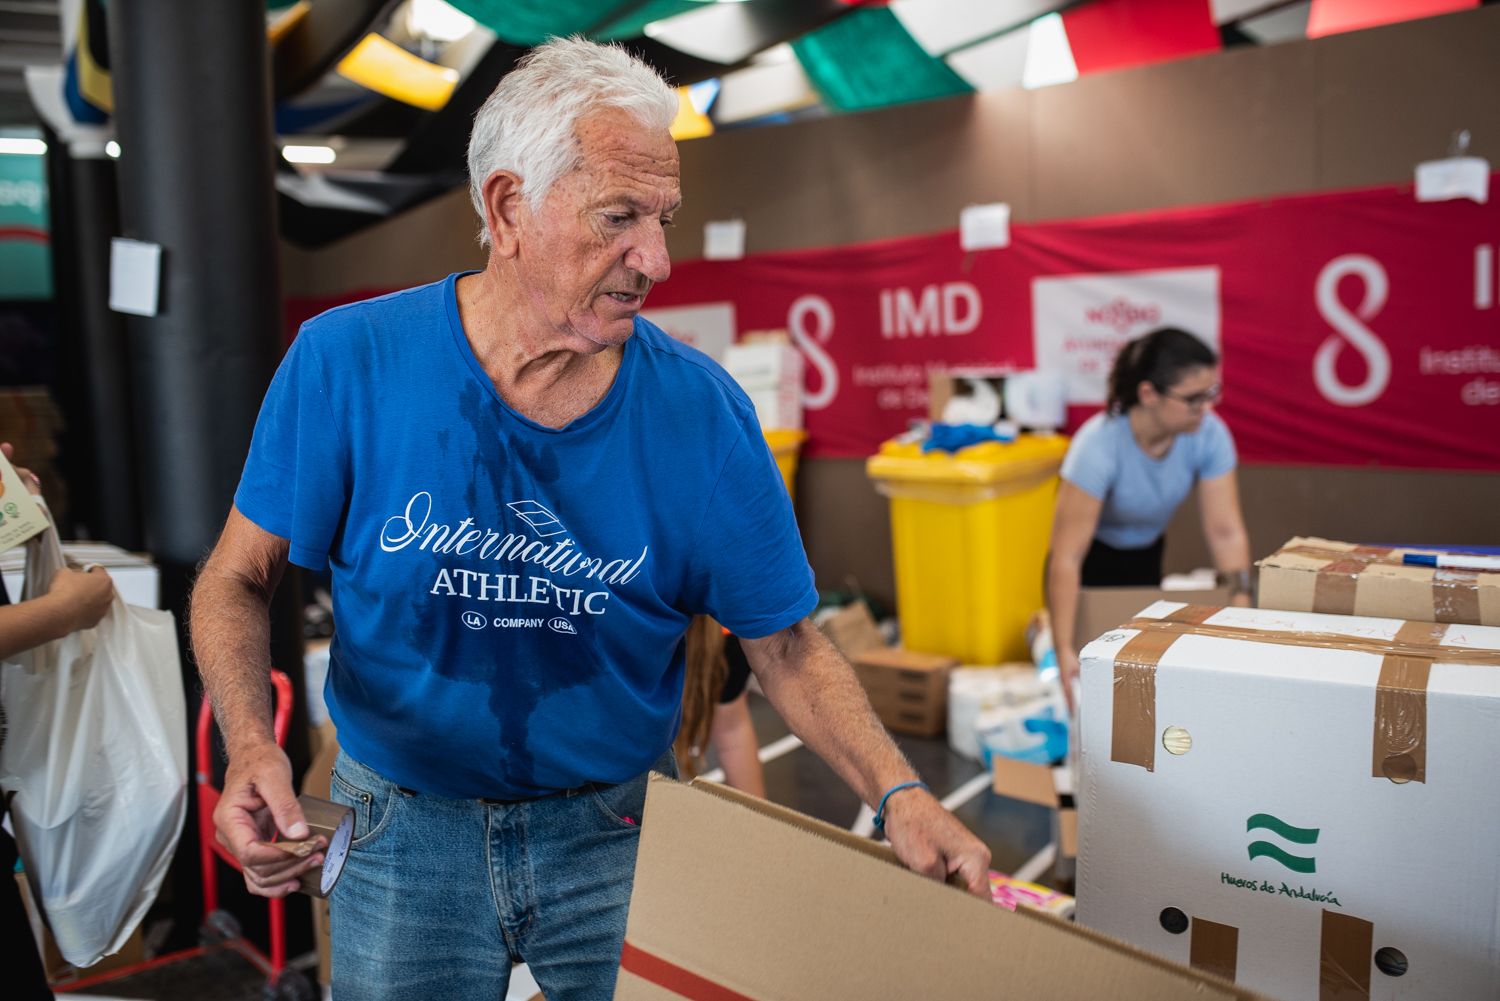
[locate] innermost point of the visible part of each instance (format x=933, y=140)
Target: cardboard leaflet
x=1304, y=803
x=21, y=517
x=1320, y=575
x=738, y=899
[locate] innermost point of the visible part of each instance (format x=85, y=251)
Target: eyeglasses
x=1195, y=400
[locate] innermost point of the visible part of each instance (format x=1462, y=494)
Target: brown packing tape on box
x=1133, y=740
x=1344, y=956
x=1214, y=947
x=1399, y=745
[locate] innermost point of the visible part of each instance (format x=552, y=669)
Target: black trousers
x=1106, y=566
x=22, y=974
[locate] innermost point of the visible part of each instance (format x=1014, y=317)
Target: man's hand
x=930, y=840
x=257, y=804
x=82, y=596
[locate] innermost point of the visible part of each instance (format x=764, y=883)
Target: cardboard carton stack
x=1303, y=803
x=908, y=689
x=1321, y=575
x=769, y=370
x=737, y=898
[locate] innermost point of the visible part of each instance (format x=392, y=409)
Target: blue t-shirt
x=1140, y=494
x=510, y=599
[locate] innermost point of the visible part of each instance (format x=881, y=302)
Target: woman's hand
x=84, y=596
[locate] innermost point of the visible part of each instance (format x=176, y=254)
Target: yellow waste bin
x=971, y=531
x=785, y=447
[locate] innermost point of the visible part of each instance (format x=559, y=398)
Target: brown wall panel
x=852, y=178
x=1391, y=97
x=430, y=241
x=1351, y=504
x=1216, y=128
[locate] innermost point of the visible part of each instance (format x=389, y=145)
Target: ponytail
x=1160, y=358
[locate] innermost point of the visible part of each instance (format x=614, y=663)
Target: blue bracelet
x=880, y=810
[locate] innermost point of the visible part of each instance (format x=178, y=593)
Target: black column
x=93, y=370
x=193, y=116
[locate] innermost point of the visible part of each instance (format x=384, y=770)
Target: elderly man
x=524, y=492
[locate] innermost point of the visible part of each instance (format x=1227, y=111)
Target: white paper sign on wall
x=1081, y=321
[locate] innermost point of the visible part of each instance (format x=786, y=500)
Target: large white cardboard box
x=1306, y=804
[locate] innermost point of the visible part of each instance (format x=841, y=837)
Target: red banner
x=1357, y=328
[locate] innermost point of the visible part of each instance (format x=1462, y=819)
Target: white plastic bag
x=97, y=759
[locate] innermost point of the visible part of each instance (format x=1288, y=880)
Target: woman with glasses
x=1131, y=466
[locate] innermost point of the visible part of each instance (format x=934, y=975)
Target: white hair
x=527, y=126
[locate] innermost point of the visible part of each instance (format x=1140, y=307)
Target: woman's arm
x=1224, y=529
x=733, y=740
x=1073, y=527
x=74, y=600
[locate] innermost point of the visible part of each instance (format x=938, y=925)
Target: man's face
x=593, y=249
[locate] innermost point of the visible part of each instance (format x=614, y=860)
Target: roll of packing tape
x=336, y=824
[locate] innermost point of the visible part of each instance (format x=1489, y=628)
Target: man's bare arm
x=231, y=630
x=817, y=693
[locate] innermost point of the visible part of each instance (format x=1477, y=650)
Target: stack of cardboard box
x=908, y=689
x=769, y=370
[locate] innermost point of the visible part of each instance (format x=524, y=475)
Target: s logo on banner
x=1351, y=329
x=810, y=338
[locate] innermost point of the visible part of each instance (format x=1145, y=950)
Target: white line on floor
x=968, y=791
x=1037, y=864
x=772, y=751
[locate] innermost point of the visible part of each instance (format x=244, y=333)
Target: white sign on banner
x=709, y=327
x=1081, y=321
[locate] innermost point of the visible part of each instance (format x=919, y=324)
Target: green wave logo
x=1285, y=831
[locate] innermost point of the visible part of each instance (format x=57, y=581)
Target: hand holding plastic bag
x=96, y=758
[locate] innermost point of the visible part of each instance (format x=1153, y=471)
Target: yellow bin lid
x=901, y=468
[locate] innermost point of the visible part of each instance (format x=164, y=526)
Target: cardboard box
x=1044, y=785
x=1319, y=575
x=1101, y=609
x=769, y=370
x=1296, y=799
x=852, y=629
x=737, y=898
x=1028, y=399
x=909, y=690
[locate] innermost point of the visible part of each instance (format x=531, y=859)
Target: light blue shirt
x=510, y=597
x=1140, y=494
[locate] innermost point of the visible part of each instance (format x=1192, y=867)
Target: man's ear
x=501, y=196
x=1147, y=392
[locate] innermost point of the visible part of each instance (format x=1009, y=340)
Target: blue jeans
x=440, y=896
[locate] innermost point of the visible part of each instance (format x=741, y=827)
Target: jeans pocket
x=373, y=798
x=624, y=803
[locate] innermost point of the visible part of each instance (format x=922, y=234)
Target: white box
x=136, y=578
x=1333, y=816
x=777, y=409
x=761, y=364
